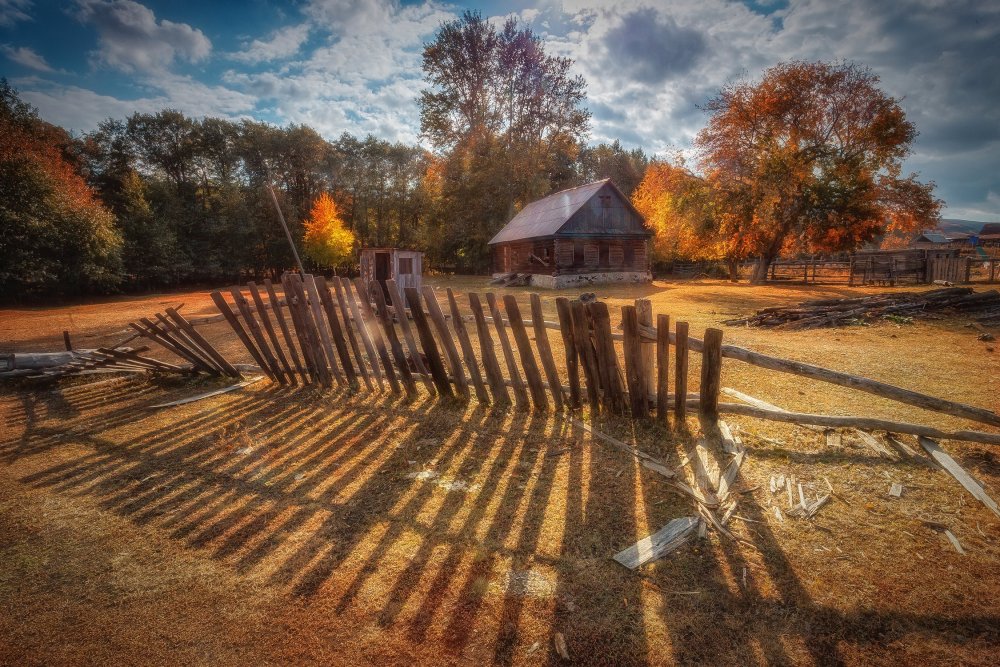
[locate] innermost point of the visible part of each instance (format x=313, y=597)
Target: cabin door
x=383, y=270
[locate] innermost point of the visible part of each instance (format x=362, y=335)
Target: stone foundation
x=584, y=279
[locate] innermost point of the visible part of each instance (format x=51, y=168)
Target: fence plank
x=257, y=334
x=315, y=310
x=351, y=336
x=545, y=351
x=451, y=352
x=524, y=350
x=404, y=326
x=312, y=352
x=662, y=367
x=494, y=376
x=520, y=394
x=361, y=324
x=585, y=351
x=569, y=345
x=711, y=374
x=279, y=316
x=644, y=311
x=336, y=330
x=241, y=333
x=638, y=401
x=183, y=340
x=607, y=357
x=186, y=326
x=438, y=373
x=467, y=352
x=681, y=375
x=371, y=324
x=375, y=290
x=266, y=321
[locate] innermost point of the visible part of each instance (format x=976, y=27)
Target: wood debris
x=984, y=307
x=896, y=490
x=667, y=539
x=954, y=541
x=959, y=473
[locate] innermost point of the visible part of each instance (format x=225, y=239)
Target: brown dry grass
x=270, y=526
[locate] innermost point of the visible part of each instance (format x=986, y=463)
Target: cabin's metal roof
x=545, y=216
x=934, y=237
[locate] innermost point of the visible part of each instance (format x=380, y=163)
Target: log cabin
x=583, y=235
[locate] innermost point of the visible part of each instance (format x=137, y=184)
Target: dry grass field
x=270, y=526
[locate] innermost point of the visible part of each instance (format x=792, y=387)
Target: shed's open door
x=383, y=270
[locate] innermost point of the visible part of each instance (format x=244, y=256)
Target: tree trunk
x=734, y=270
x=759, y=275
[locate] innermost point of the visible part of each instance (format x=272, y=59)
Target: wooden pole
x=336, y=332
x=438, y=373
x=360, y=323
x=352, y=338
x=451, y=352
x=404, y=325
x=314, y=308
x=680, y=376
x=520, y=393
x=283, y=325
x=638, y=401
x=644, y=312
x=266, y=321
x=545, y=351
x=662, y=367
x=524, y=350
x=390, y=333
x=467, y=352
x=494, y=376
x=587, y=355
x=607, y=357
x=711, y=374
x=569, y=345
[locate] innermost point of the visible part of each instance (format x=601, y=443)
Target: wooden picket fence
x=347, y=333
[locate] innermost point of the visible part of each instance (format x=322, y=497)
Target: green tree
x=508, y=119
x=55, y=237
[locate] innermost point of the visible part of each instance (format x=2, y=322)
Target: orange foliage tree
x=327, y=241
x=809, y=159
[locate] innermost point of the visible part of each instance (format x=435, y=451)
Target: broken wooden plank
x=208, y=394
x=959, y=473
x=659, y=544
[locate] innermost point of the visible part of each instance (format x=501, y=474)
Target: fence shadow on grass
x=423, y=514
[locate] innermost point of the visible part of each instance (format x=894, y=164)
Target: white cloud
x=282, y=44
x=27, y=57
x=14, y=11
x=131, y=38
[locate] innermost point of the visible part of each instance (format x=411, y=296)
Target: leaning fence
x=360, y=336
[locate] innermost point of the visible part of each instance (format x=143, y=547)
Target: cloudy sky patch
x=343, y=65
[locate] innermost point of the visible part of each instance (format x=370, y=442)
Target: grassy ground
x=272, y=526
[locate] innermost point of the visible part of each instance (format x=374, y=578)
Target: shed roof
x=546, y=216
x=933, y=237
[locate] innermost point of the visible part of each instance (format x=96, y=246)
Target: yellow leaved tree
x=327, y=241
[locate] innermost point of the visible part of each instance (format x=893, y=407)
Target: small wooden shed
x=587, y=234
x=403, y=266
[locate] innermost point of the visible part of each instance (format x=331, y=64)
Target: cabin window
x=405, y=266
x=591, y=255
x=616, y=255
x=605, y=201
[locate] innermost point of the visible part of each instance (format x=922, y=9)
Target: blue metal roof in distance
x=545, y=216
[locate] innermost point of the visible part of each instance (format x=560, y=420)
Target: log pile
x=981, y=307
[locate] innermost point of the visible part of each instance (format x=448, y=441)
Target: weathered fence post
x=569, y=344
x=638, y=402
x=662, y=367
x=644, y=311
x=711, y=374
x=438, y=374
x=680, y=379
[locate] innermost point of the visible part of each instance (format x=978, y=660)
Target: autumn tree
x=810, y=159
x=55, y=237
x=509, y=120
x=327, y=242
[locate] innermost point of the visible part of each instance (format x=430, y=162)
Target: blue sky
x=343, y=65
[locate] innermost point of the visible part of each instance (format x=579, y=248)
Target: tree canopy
x=810, y=159
x=327, y=242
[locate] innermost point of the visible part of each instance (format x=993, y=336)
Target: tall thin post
x=711, y=374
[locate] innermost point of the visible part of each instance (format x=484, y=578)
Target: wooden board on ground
x=659, y=544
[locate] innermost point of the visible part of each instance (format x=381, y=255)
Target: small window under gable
x=605, y=201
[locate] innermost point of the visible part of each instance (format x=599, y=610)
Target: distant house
x=587, y=234
x=929, y=240
x=989, y=235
